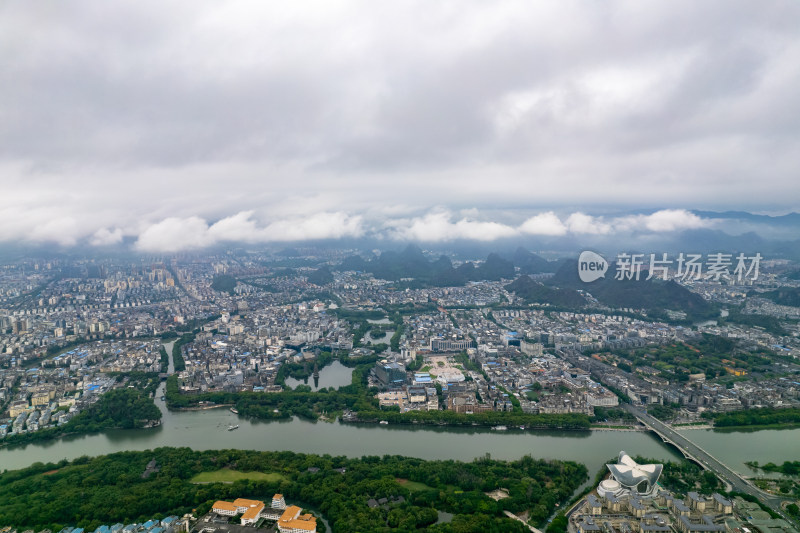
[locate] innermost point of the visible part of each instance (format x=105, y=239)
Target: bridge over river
x=695, y=453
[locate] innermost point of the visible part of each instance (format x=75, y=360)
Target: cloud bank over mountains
x=194, y=232
x=191, y=233
x=437, y=225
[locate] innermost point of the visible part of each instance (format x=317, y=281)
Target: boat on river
x=231, y=428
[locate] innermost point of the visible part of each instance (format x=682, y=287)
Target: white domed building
x=609, y=487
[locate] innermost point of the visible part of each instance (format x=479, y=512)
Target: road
x=732, y=478
x=518, y=519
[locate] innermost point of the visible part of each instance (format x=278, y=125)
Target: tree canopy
x=103, y=490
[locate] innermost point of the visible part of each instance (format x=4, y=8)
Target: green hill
x=321, y=276
x=784, y=296
x=530, y=263
x=223, y=283
x=652, y=295
x=535, y=292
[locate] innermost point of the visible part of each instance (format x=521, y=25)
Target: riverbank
x=49, y=440
x=617, y=428
x=202, y=407
x=755, y=427
x=207, y=429
x=767, y=416
x=491, y=419
x=444, y=425
x=121, y=408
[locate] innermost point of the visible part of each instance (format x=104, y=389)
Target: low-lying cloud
x=439, y=226
x=174, y=234
x=544, y=224
x=106, y=237
x=178, y=233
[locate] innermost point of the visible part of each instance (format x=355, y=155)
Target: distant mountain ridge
x=530, y=263
x=699, y=240
x=789, y=219
x=534, y=292
x=562, y=289
x=412, y=263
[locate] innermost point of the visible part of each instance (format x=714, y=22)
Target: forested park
x=89, y=492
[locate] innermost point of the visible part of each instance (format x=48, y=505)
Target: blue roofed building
x=422, y=378
x=169, y=521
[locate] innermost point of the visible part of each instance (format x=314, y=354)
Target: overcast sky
x=184, y=124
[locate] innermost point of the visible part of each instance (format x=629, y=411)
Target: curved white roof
x=629, y=473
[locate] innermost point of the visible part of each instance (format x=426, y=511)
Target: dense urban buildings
x=74, y=331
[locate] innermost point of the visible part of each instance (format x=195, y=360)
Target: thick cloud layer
x=311, y=120
x=174, y=234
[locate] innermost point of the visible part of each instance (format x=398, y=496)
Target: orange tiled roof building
x=290, y=521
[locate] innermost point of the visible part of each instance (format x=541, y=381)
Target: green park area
x=413, y=486
x=130, y=487
x=226, y=475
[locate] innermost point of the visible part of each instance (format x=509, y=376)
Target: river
x=735, y=446
x=168, y=347
x=203, y=430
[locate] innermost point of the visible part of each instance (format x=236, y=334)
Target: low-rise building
x=224, y=508
x=722, y=504
x=291, y=521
